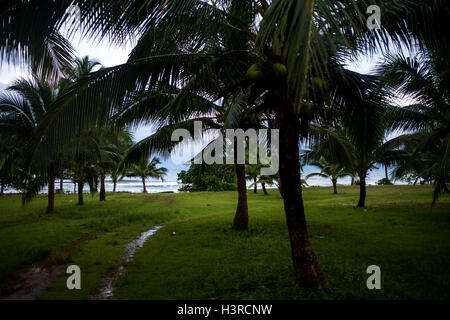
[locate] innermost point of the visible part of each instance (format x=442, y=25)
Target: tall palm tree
x=329, y=171
x=87, y=141
x=146, y=168
x=175, y=38
x=425, y=79
x=233, y=113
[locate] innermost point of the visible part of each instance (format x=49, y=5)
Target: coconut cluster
x=258, y=71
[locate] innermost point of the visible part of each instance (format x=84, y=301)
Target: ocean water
x=373, y=177
x=135, y=186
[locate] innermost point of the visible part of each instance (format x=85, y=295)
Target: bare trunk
x=2, y=188
x=115, y=185
x=255, y=188
x=102, y=187
x=263, y=185
x=353, y=181
x=80, y=193
x=51, y=190
x=241, y=217
x=143, y=182
x=61, y=184
x=362, y=192
x=334, y=186
x=306, y=266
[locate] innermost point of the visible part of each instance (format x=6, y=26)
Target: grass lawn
x=205, y=259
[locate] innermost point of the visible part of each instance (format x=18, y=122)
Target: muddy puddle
x=34, y=281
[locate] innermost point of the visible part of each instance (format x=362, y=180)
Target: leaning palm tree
x=286, y=37
x=146, y=168
x=329, y=171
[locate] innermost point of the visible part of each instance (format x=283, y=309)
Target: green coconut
x=254, y=73
x=319, y=83
x=279, y=69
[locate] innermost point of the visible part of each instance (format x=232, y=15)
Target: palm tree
x=23, y=108
x=175, y=38
x=329, y=171
x=424, y=79
x=424, y=165
x=145, y=168
x=252, y=173
x=348, y=153
x=11, y=162
x=113, y=142
x=121, y=144
x=87, y=144
x=233, y=113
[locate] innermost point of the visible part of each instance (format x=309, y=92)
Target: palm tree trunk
x=263, y=185
x=334, y=185
x=255, y=190
x=2, y=188
x=362, y=191
x=80, y=192
x=306, y=266
x=51, y=190
x=386, y=173
x=241, y=217
x=352, y=182
x=143, y=182
x=61, y=184
x=115, y=185
x=102, y=187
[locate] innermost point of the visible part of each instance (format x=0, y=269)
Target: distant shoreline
x=67, y=192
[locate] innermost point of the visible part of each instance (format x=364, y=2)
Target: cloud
x=3, y=87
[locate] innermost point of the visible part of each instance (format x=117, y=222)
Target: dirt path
x=34, y=281
x=107, y=288
x=106, y=291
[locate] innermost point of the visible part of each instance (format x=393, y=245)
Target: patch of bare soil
x=33, y=282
